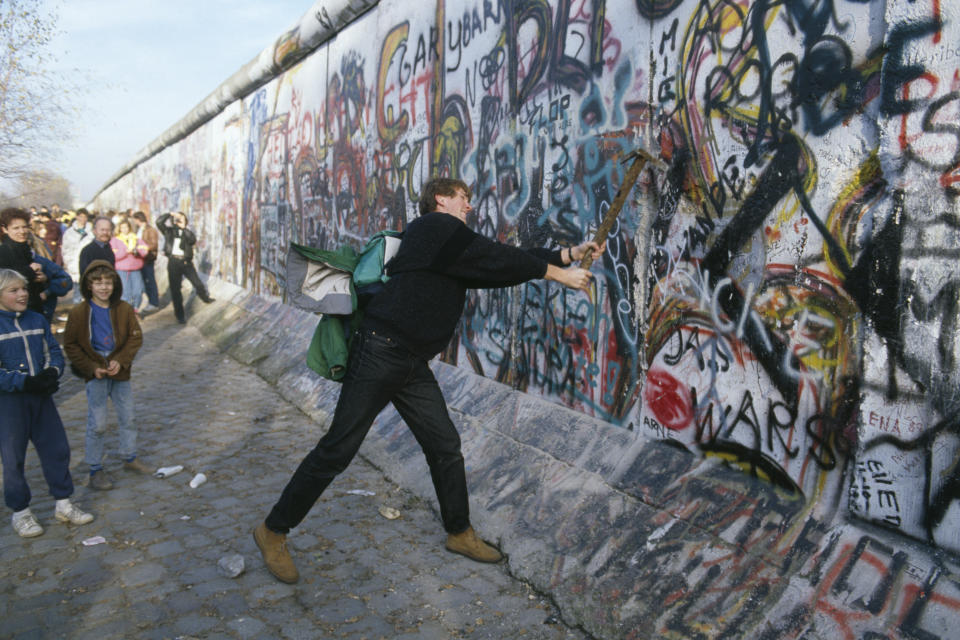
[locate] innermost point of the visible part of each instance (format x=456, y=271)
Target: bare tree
x=39, y=189
x=33, y=96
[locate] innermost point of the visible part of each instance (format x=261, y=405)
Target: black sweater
x=96, y=251
x=18, y=256
x=438, y=260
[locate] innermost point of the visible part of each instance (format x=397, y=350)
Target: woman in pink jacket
x=128, y=251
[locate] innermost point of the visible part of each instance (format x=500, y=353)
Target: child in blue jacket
x=30, y=366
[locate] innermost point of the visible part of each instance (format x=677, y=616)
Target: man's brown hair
x=440, y=187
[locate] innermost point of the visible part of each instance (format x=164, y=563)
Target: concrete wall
x=633, y=538
x=783, y=298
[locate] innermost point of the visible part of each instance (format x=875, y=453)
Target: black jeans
x=177, y=270
x=381, y=371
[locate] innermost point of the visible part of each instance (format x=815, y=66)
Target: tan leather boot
x=273, y=546
x=468, y=544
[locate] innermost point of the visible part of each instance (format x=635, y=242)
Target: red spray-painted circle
x=668, y=400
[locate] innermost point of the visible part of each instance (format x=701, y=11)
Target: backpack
x=337, y=284
x=370, y=274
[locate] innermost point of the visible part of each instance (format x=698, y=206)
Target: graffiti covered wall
x=782, y=294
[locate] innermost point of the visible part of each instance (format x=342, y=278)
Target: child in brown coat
x=101, y=339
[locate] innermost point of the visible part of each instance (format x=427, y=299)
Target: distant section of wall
x=315, y=27
x=783, y=298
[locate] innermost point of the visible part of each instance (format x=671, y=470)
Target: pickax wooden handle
x=640, y=159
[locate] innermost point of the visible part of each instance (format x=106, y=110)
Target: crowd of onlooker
x=63, y=242
x=57, y=238
x=108, y=263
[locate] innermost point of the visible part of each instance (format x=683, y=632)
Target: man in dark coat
x=404, y=326
x=100, y=248
x=178, y=243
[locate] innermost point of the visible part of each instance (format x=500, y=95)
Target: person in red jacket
x=129, y=252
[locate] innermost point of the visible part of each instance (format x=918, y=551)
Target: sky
x=147, y=63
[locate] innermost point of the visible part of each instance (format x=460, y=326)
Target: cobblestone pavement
x=156, y=576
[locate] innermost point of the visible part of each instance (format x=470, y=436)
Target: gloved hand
x=52, y=377
x=45, y=382
x=50, y=373
x=35, y=384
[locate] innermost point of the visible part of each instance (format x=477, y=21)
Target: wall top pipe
x=320, y=23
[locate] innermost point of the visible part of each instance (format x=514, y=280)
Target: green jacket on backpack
x=327, y=282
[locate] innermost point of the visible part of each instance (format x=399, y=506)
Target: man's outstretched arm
x=575, y=277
